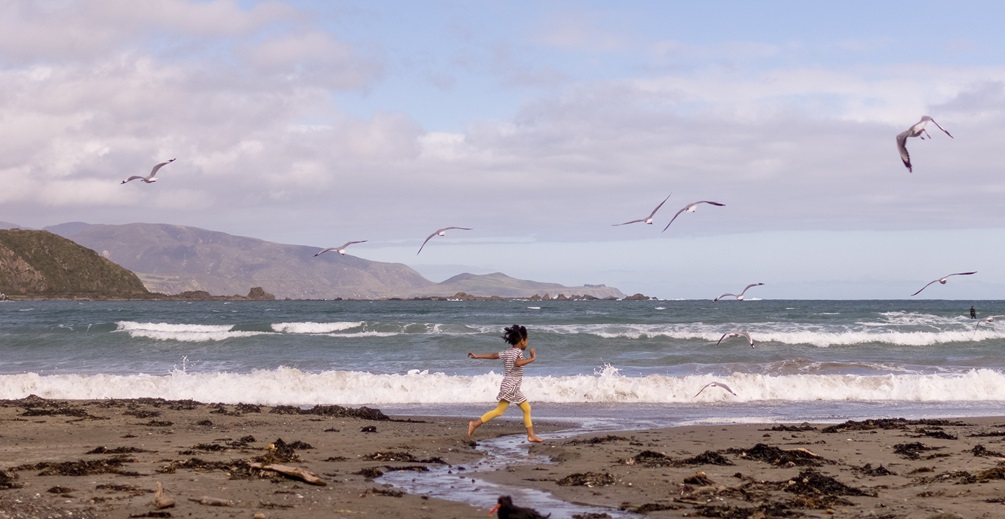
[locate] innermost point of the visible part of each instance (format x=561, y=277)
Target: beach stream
x=461, y=483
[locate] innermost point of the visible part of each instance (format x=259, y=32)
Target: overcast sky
x=537, y=124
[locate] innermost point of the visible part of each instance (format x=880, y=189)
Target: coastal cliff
x=42, y=264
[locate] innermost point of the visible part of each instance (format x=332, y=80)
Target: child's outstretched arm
x=523, y=362
x=483, y=355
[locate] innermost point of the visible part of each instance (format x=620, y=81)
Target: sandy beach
x=98, y=459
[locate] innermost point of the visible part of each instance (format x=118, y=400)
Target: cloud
x=312, y=57
x=264, y=149
x=66, y=31
x=79, y=117
x=672, y=51
x=80, y=192
x=581, y=30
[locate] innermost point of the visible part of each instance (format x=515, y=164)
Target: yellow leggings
x=501, y=408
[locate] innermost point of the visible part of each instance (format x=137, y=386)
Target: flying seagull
x=149, y=179
x=737, y=334
x=918, y=130
x=340, y=249
x=943, y=280
x=440, y=232
x=649, y=219
x=690, y=208
x=714, y=384
x=739, y=297
x=988, y=319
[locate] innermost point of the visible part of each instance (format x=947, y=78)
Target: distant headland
x=45, y=265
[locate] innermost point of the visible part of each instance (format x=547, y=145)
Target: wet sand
x=106, y=458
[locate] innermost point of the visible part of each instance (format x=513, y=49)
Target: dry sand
x=98, y=459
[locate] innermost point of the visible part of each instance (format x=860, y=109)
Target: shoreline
x=105, y=458
x=199, y=295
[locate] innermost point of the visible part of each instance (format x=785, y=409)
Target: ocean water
x=613, y=364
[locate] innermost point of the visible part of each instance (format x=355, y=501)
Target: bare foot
x=471, y=428
x=535, y=439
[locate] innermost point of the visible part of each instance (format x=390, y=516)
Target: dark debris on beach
x=587, y=479
x=657, y=459
x=809, y=489
x=811, y=482
x=334, y=411
x=805, y=427
x=596, y=440
x=780, y=457
x=890, y=423
x=937, y=433
x=982, y=451
x=116, y=450
x=235, y=468
x=912, y=451
x=869, y=471
x=111, y=465
x=8, y=480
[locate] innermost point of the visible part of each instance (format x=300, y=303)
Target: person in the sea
x=509, y=390
x=973, y=312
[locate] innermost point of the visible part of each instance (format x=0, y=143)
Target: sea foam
x=317, y=328
x=182, y=332
x=292, y=386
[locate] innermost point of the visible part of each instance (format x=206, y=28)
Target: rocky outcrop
x=502, y=286
x=256, y=294
x=259, y=294
x=42, y=264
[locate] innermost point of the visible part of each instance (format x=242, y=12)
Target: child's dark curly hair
x=514, y=334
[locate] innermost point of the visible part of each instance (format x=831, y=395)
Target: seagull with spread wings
x=943, y=280
x=150, y=178
x=739, y=297
x=649, y=219
x=440, y=232
x=690, y=208
x=340, y=249
x=737, y=334
x=988, y=319
x=714, y=384
x=917, y=130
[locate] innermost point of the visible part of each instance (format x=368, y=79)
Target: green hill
x=42, y=264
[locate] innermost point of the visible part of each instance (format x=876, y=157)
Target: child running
x=509, y=390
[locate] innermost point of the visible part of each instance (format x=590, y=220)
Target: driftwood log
x=293, y=472
x=212, y=501
x=162, y=499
